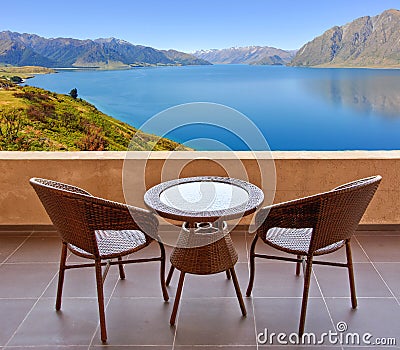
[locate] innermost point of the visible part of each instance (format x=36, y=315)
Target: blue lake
x=294, y=108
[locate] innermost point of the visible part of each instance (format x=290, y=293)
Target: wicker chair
x=313, y=226
x=99, y=230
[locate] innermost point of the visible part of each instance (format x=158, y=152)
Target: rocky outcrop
x=365, y=42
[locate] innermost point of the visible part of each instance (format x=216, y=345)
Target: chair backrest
x=66, y=207
x=341, y=210
x=333, y=216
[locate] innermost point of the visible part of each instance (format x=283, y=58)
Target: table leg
x=238, y=292
x=177, y=299
x=169, y=277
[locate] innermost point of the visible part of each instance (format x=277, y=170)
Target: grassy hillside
x=33, y=119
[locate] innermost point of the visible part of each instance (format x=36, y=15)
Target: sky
x=187, y=25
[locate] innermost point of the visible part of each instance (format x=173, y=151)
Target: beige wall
x=297, y=174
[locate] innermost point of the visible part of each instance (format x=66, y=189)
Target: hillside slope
x=263, y=55
x=30, y=49
x=33, y=119
x=365, y=42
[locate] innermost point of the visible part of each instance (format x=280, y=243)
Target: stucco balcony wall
x=298, y=174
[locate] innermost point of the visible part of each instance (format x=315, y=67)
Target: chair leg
x=298, y=266
x=177, y=299
x=228, y=274
x=238, y=292
x=100, y=299
x=307, y=278
x=61, y=274
x=162, y=273
x=351, y=275
x=169, y=277
x=252, y=266
x=121, y=269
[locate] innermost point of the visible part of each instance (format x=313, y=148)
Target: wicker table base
x=204, y=251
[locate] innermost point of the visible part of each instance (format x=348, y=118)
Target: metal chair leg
x=61, y=274
x=169, y=277
x=238, y=292
x=162, y=273
x=307, y=278
x=177, y=299
x=252, y=266
x=121, y=269
x=228, y=274
x=298, y=266
x=100, y=299
x=351, y=275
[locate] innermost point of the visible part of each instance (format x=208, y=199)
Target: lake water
x=294, y=108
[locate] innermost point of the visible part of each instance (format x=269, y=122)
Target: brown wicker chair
x=97, y=229
x=312, y=226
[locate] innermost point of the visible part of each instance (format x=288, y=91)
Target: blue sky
x=188, y=25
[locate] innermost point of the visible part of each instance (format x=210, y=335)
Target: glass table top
x=202, y=196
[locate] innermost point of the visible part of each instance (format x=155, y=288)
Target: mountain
x=33, y=119
x=32, y=50
x=365, y=42
x=247, y=55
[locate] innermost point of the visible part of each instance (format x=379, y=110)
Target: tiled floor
x=209, y=316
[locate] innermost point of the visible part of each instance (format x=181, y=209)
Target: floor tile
x=8, y=245
x=334, y=281
x=283, y=315
x=381, y=248
x=390, y=273
x=14, y=310
x=25, y=280
x=82, y=283
x=357, y=254
x=209, y=286
x=73, y=325
x=138, y=321
x=38, y=249
x=142, y=280
x=131, y=347
x=219, y=347
x=380, y=317
x=215, y=321
x=278, y=279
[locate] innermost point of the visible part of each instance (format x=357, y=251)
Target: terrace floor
x=209, y=316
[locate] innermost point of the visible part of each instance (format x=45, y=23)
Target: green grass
x=33, y=119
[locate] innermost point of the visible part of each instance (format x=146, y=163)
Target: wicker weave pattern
x=77, y=215
x=312, y=226
x=97, y=229
x=333, y=216
x=111, y=243
x=297, y=241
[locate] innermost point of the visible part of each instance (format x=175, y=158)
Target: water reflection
x=371, y=94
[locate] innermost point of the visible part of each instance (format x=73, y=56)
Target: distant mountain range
x=32, y=50
x=263, y=55
x=365, y=42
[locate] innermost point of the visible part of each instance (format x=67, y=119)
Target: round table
x=203, y=204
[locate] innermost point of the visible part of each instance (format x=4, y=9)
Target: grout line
x=379, y=274
x=31, y=309
x=252, y=299
x=326, y=304
x=13, y=252
x=105, y=310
